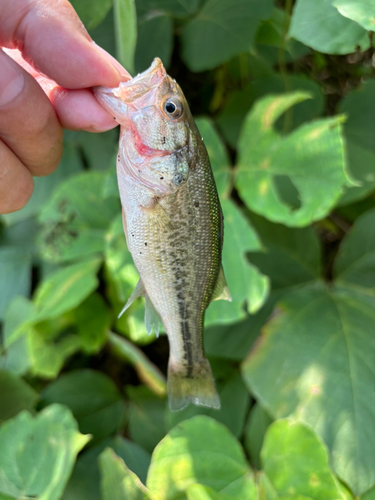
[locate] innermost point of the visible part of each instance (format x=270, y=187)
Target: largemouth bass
x=172, y=221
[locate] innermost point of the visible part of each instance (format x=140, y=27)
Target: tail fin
x=197, y=388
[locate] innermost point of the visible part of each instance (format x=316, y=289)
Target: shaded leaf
x=359, y=131
x=355, y=261
x=15, y=395
x=306, y=156
x=255, y=430
x=221, y=30
x=118, y=482
x=155, y=39
x=232, y=116
x=93, y=399
x=320, y=26
x=244, y=280
x=125, y=20
x=199, y=450
x=296, y=462
x=92, y=12
x=146, y=417
x=218, y=154
x=200, y=492
x=148, y=373
x=180, y=9
x=15, y=272
x=315, y=361
x=361, y=11
x=85, y=480
x=28, y=472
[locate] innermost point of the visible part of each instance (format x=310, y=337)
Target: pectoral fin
x=221, y=291
x=151, y=316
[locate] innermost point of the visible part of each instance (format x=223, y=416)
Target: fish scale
x=172, y=222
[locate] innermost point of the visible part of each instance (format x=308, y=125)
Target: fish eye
x=173, y=108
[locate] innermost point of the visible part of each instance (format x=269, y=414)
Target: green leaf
x=320, y=26
x=234, y=341
x=199, y=450
x=76, y=217
x=200, y=492
x=93, y=399
x=85, y=483
x=244, y=280
x=219, y=158
x=38, y=454
x=360, y=11
x=118, y=482
x=155, y=39
x=355, y=261
x=43, y=186
x=296, y=462
x=146, y=417
x=221, y=30
x=148, y=373
x=15, y=395
x=15, y=272
x=255, y=430
x=180, y=9
x=314, y=361
x=239, y=102
x=292, y=256
x=311, y=159
x=92, y=12
x=125, y=19
x=359, y=129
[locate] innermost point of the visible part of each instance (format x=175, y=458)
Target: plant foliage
x=284, y=96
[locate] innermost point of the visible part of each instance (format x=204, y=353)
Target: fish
x=173, y=223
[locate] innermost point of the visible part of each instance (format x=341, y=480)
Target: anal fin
x=221, y=290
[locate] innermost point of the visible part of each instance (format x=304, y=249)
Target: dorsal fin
x=221, y=290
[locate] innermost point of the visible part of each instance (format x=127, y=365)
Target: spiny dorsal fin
x=221, y=291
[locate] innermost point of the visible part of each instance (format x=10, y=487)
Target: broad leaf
x=92, y=12
x=125, y=20
x=199, y=450
x=15, y=395
x=84, y=482
x=359, y=106
x=146, y=417
x=118, y=482
x=310, y=159
x=76, y=217
x=239, y=102
x=155, y=39
x=200, y=492
x=93, y=399
x=219, y=158
x=355, y=262
x=221, y=30
x=180, y=9
x=15, y=272
x=296, y=462
x=245, y=282
x=319, y=25
x=255, y=430
x=315, y=362
x=38, y=454
x=361, y=11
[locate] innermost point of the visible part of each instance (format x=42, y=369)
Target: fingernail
x=11, y=80
x=125, y=75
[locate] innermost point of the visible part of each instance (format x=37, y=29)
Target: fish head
x=155, y=117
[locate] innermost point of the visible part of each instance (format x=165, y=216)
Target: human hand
x=66, y=63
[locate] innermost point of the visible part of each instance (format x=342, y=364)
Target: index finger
x=53, y=40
